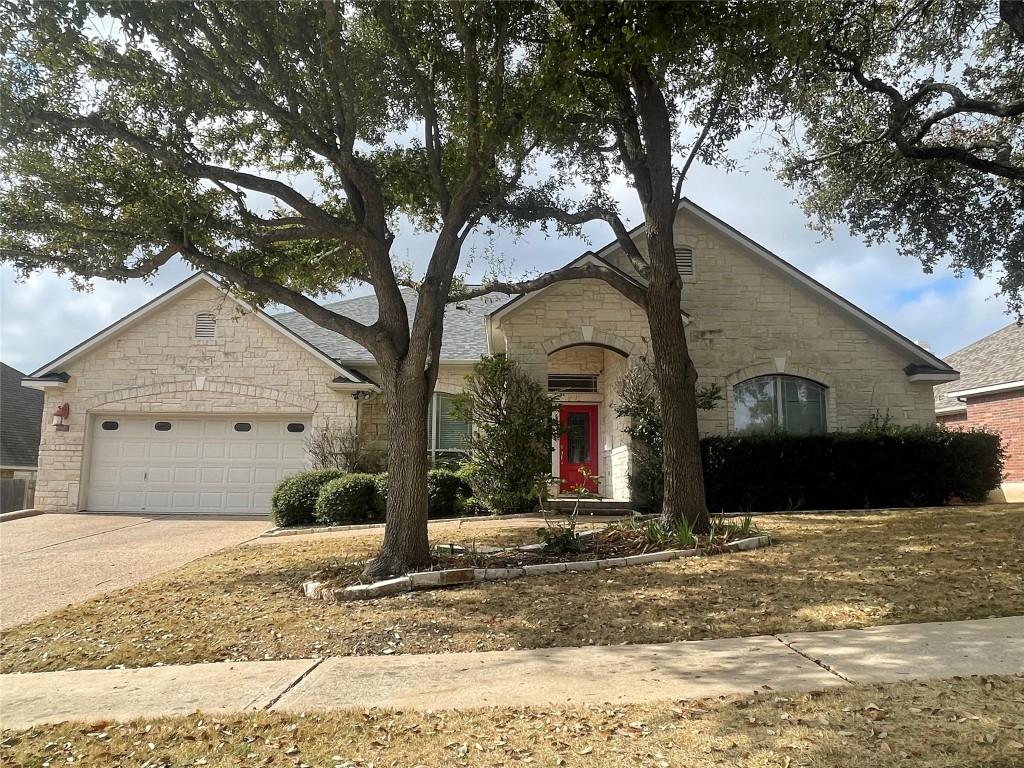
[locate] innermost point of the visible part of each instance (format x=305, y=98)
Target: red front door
x=577, y=446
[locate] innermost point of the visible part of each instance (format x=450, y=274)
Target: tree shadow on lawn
x=824, y=572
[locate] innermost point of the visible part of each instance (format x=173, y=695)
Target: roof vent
x=206, y=326
x=684, y=261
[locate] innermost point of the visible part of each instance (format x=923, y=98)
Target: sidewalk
x=614, y=674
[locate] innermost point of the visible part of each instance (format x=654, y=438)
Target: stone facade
x=157, y=366
x=747, y=317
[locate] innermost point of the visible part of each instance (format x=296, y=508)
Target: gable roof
x=50, y=371
x=936, y=367
x=465, y=337
x=21, y=419
x=993, y=363
x=588, y=257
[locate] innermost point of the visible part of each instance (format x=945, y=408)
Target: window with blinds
x=206, y=326
x=446, y=435
x=684, y=261
x=572, y=382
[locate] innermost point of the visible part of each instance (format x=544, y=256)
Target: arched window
x=786, y=403
x=206, y=326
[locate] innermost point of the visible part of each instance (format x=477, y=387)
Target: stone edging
x=18, y=514
x=453, y=576
x=274, y=532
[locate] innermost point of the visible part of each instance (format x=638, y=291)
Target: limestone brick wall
x=748, y=318
x=157, y=366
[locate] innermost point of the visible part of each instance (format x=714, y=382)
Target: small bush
x=294, y=499
x=447, y=493
x=349, y=500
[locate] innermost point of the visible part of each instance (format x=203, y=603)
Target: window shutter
x=206, y=326
x=451, y=432
x=684, y=261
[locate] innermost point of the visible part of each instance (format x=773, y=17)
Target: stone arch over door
x=243, y=393
x=589, y=336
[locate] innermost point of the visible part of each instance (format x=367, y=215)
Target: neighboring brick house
x=20, y=413
x=195, y=403
x=990, y=394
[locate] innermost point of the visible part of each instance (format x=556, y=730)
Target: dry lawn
x=952, y=724
x=825, y=571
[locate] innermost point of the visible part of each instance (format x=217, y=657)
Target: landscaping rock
x=613, y=562
x=533, y=570
x=753, y=542
x=496, y=574
x=377, y=589
x=312, y=589
x=584, y=565
x=650, y=557
x=455, y=576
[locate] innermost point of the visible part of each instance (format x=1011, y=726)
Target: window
x=447, y=437
x=162, y=426
x=787, y=403
x=572, y=382
x=684, y=261
x=296, y=427
x=109, y=426
x=243, y=426
x=206, y=326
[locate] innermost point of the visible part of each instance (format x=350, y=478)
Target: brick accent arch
x=772, y=368
x=593, y=337
x=201, y=384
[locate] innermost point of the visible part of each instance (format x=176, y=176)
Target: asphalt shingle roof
x=996, y=359
x=21, y=416
x=465, y=334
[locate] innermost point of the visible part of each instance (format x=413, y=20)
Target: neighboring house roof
x=465, y=332
x=51, y=374
x=992, y=364
x=21, y=418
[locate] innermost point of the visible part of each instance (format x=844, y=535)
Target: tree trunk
x=405, y=547
x=676, y=379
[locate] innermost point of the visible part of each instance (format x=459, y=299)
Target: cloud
x=43, y=317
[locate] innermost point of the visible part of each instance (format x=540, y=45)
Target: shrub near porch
x=824, y=571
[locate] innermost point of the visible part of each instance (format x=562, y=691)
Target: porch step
x=612, y=507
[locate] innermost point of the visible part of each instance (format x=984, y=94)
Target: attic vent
x=684, y=261
x=206, y=326
x=572, y=382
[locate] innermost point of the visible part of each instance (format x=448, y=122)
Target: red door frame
x=569, y=473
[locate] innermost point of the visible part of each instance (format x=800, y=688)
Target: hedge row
x=907, y=467
x=331, y=497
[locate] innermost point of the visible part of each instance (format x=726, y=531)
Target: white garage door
x=219, y=465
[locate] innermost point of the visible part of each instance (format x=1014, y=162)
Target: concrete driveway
x=50, y=561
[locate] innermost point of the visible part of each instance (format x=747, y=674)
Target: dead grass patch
x=824, y=572
x=949, y=724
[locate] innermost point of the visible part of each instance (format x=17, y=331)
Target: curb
x=316, y=590
x=18, y=514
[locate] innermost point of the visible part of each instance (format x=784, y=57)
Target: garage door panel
x=199, y=464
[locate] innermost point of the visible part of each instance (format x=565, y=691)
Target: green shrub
x=447, y=493
x=512, y=434
x=349, y=500
x=294, y=499
x=893, y=467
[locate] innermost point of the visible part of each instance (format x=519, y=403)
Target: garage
x=191, y=464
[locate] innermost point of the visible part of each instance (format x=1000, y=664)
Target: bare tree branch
x=631, y=290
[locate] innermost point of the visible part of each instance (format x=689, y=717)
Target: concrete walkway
x=614, y=674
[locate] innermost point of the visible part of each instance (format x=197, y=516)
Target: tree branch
x=628, y=288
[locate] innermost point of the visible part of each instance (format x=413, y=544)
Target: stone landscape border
x=274, y=532
x=317, y=590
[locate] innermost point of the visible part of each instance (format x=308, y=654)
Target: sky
x=43, y=316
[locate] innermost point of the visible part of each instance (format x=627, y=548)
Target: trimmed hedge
x=901, y=467
x=294, y=499
x=347, y=499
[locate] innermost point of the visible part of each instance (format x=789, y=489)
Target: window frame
x=434, y=451
x=779, y=400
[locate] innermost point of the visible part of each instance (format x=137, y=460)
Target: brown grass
x=826, y=571
x=950, y=724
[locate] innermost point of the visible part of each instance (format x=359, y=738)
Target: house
x=21, y=411
x=990, y=394
x=194, y=403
